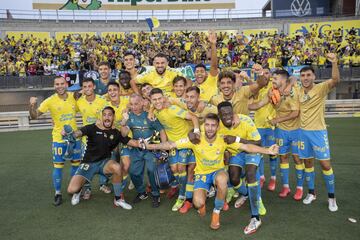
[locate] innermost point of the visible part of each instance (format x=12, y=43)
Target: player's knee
x=235, y=180
x=325, y=165
x=251, y=175
x=72, y=189
x=198, y=202
x=221, y=180
x=116, y=169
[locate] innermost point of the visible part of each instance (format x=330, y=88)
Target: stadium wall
x=174, y=25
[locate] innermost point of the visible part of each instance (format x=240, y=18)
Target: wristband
x=196, y=130
x=237, y=139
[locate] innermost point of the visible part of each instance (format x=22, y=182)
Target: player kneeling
x=209, y=148
x=101, y=140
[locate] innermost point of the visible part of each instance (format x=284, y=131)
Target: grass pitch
x=26, y=210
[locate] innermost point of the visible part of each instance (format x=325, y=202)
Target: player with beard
x=90, y=106
x=313, y=142
x=210, y=168
x=159, y=76
x=239, y=98
x=102, y=138
x=62, y=108
x=207, y=83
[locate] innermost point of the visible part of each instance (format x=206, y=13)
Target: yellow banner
x=119, y=35
x=132, y=4
x=18, y=35
x=248, y=32
x=324, y=27
x=74, y=35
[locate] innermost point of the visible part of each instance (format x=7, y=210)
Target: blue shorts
x=59, y=150
x=205, y=181
x=287, y=139
x=244, y=158
x=88, y=170
x=116, y=154
x=267, y=136
x=182, y=156
x=314, y=144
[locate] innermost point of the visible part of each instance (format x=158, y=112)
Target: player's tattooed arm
x=77, y=134
x=34, y=113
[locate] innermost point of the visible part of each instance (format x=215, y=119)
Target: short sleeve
x=324, y=88
x=87, y=130
x=142, y=78
x=44, y=106
x=184, y=143
x=245, y=90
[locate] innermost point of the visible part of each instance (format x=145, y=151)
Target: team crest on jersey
x=217, y=152
x=111, y=137
x=105, y=135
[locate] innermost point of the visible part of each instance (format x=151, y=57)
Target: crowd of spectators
x=32, y=56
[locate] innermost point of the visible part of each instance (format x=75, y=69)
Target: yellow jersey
x=90, y=111
x=209, y=156
x=174, y=122
x=246, y=129
x=265, y=113
x=62, y=112
x=239, y=101
x=119, y=109
x=164, y=82
x=286, y=105
x=208, y=88
x=312, y=107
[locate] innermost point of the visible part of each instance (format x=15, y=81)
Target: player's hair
x=105, y=64
x=282, y=72
x=129, y=54
x=113, y=84
x=223, y=105
x=144, y=85
x=135, y=95
x=108, y=108
x=87, y=79
x=193, y=88
x=227, y=74
x=57, y=77
x=161, y=55
x=200, y=65
x=156, y=91
x=178, y=79
x=212, y=116
x=124, y=72
x=307, y=68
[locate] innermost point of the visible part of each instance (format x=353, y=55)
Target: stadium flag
x=153, y=22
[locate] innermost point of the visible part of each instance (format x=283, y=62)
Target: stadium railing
x=14, y=121
x=39, y=82
x=130, y=15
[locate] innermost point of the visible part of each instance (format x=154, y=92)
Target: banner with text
x=132, y=4
x=324, y=27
